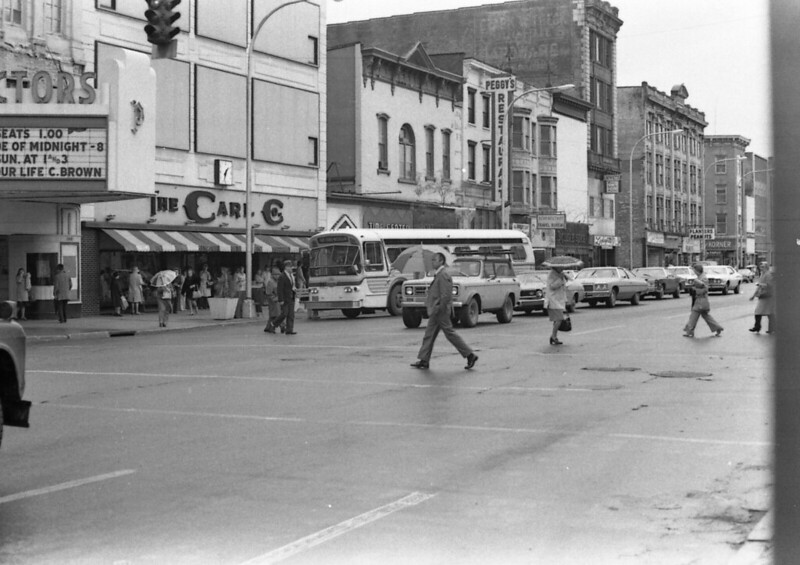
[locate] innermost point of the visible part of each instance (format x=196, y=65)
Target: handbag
x=124, y=303
x=196, y=294
x=565, y=325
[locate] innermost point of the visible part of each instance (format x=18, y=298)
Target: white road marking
x=374, y=423
x=65, y=486
x=322, y=536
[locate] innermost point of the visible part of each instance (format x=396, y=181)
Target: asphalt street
x=628, y=444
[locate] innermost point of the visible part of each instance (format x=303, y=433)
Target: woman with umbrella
x=162, y=281
x=556, y=291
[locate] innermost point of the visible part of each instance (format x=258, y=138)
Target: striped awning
x=156, y=240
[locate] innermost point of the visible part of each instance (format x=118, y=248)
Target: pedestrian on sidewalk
x=271, y=297
x=439, y=304
x=191, y=291
x=701, y=305
x=765, y=292
x=62, y=284
x=206, y=282
x=556, y=300
x=23, y=292
x=135, y=294
x=240, y=284
x=116, y=293
x=286, y=294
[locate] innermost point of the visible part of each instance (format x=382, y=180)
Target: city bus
x=351, y=269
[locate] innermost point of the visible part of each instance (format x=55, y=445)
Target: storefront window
x=42, y=267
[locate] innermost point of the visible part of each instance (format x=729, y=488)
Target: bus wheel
x=351, y=312
x=412, y=318
x=395, y=301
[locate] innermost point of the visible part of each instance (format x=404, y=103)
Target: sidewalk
x=107, y=325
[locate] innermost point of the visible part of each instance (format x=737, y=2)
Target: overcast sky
x=717, y=48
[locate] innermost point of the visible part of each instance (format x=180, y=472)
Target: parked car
x=748, y=275
x=532, y=290
x=13, y=410
x=609, y=284
x=480, y=284
x=664, y=281
x=686, y=275
x=723, y=278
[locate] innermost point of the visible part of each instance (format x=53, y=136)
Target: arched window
x=408, y=167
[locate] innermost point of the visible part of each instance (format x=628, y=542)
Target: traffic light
x=160, y=17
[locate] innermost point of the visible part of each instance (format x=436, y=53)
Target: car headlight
x=350, y=289
x=455, y=290
x=408, y=290
x=601, y=286
x=538, y=294
x=313, y=291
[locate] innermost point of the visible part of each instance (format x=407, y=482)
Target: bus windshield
x=335, y=259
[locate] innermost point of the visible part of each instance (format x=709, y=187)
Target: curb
x=105, y=334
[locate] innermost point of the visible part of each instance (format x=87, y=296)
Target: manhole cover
x=680, y=375
x=612, y=369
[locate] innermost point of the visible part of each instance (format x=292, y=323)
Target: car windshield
x=682, y=270
x=338, y=259
x=716, y=270
x=596, y=273
x=532, y=278
x=652, y=272
x=462, y=268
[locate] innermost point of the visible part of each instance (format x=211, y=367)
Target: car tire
x=635, y=299
x=1, y=423
x=592, y=303
x=659, y=292
x=725, y=289
x=411, y=318
x=611, y=301
x=506, y=313
x=351, y=312
x=469, y=314
x=677, y=293
x=738, y=289
x=394, y=302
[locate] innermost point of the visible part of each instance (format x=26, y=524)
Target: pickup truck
x=480, y=284
x=13, y=410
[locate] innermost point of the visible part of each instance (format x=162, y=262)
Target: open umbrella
x=419, y=259
x=163, y=278
x=563, y=262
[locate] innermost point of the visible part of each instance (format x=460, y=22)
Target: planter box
x=222, y=308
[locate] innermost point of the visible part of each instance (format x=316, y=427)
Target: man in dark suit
x=439, y=304
x=286, y=294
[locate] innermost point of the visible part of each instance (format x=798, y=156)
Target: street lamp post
x=508, y=117
x=630, y=188
x=703, y=195
x=248, y=224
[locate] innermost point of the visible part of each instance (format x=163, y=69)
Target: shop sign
x=501, y=89
x=524, y=228
x=550, y=221
x=655, y=238
x=702, y=233
x=612, y=183
x=43, y=85
x=689, y=245
x=606, y=241
x=543, y=238
x=201, y=207
x=721, y=244
x=52, y=153
x=576, y=235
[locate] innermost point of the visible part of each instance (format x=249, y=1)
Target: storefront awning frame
x=165, y=241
